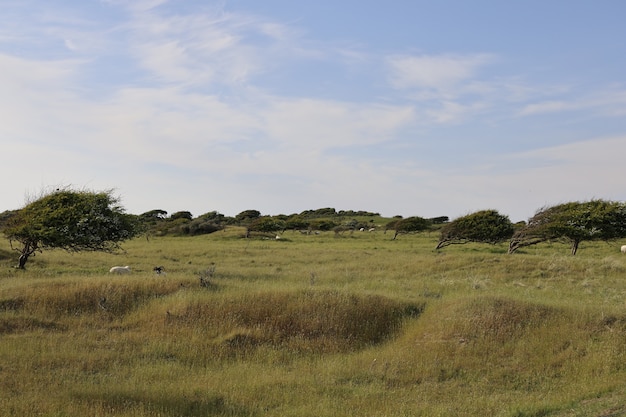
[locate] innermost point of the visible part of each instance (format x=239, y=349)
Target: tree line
x=95, y=221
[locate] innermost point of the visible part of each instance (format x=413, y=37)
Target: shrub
x=486, y=226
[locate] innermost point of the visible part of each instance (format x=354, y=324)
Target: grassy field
x=315, y=325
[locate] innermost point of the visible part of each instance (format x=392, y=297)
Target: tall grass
x=323, y=325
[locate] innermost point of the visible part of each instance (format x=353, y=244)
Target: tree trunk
x=23, y=259
x=575, y=246
x=28, y=250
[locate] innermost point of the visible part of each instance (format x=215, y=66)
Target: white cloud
x=211, y=48
x=452, y=112
x=138, y=6
x=319, y=124
x=71, y=45
x=609, y=103
x=438, y=72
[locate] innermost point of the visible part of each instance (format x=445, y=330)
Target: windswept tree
x=266, y=224
x=573, y=222
x=71, y=220
x=296, y=222
x=408, y=225
x=246, y=216
x=154, y=215
x=185, y=215
x=486, y=226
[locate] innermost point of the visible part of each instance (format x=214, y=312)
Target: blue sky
x=399, y=107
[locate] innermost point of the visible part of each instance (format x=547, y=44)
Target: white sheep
x=623, y=249
x=120, y=270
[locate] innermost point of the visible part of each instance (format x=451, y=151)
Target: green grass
x=315, y=325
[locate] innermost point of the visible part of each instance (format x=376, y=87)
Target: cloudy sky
x=409, y=107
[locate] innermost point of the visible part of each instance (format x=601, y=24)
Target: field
x=315, y=325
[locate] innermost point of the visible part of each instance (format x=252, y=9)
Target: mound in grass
x=509, y=344
x=501, y=318
x=81, y=297
x=317, y=321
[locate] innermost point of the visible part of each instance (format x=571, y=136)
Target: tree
x=410, y=224
x=296, y=222
x=486, y=226
x=181, y=215
x=5, y=216
x=247, y=215
x=322, y=224
x=70, y=220
x=573, y=222
x=154, y=215
x=266, y=224
x=439, y=220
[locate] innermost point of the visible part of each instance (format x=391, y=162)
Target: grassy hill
x=325, y=324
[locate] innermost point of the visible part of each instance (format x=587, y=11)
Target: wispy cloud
x=434, y=72
x=609, y=103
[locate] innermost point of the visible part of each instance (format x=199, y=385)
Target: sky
x=403, y=107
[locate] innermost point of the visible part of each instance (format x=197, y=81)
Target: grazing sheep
x=120, y=270
x=623, y=249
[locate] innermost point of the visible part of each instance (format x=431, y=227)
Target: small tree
x=266, y=224
x=71, y=220
x=296, y=222
x=154, y=215
x=247, y=215
x=486, y=226
x=408, y=225
x=186, y=215
x=573, y=222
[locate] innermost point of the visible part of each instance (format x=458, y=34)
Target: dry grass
x=322, y=325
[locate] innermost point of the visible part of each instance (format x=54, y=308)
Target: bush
x=486, y=226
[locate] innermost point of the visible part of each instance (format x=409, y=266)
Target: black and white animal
x=159, y=270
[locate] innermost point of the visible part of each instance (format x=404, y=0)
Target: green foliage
x=360, y=213
x=296, y=222
x=214, y=216
x=5, y=216
x=182, y=224
x=439, y=220
x=266, y=224
x=486, y=226
x=181, y=215
x=408, y=225
x=247, y=215
x=154, y=215
x=71, y=220
x=574, y=222
x=322, y=212
x=322, y=224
